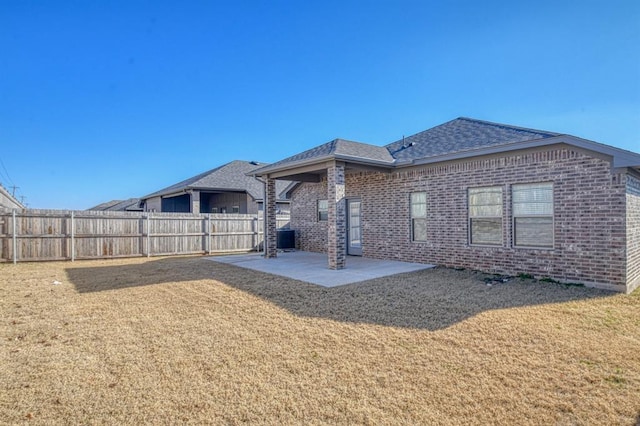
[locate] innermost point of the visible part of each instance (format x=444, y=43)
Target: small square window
x=323, y=210
x=235, y=209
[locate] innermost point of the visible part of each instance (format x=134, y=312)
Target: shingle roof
x=461, y=134
x=228, y=177
x=458, y=138
x=340, y=148
x=132, y=204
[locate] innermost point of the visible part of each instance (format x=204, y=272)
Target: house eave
x=620, y=157
x=189, y=189
x=321, y=163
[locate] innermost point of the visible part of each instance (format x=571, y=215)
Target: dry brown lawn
x=187, y=340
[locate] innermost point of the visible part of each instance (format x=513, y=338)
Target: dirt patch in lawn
x=177, y=340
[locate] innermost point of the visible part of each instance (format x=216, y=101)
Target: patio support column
x=337, y=219
x=270, y=237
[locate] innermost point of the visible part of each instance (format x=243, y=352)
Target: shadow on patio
x=430, y=299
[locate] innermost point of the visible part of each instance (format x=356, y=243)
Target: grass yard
x=187, y=340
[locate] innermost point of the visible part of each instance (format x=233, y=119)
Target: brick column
x=270, y=238
x=195, y=202
x=337, y=219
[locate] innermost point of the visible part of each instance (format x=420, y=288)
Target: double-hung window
x=532, y=215
x=323, y=210
x=485, y=215
x=419, y=216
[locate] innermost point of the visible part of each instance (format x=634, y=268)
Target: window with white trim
x=418, y=216
x=323, y=210
x=485, y=215
x=532, y=209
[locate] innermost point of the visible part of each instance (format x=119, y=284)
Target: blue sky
x=106, y=100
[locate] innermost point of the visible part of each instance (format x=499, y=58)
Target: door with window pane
x=354, y=228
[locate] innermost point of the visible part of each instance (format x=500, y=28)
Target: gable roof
x=461, y=134
x=459, y=138
x=337, y=149
x=228, y=177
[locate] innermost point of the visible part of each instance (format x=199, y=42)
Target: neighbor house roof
x=132, y=204
x=228, y=177
x=459, y=138
x=7, y=200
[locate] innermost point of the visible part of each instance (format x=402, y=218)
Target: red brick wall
x=633, y=232
x=589, y=218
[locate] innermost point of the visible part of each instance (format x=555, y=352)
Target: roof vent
x=255, y=163
x=403, y=147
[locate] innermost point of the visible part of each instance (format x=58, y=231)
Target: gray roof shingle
x=131, y=204
x=459, y=137
x=339, y=148
x=228, y=177
x=461, y=134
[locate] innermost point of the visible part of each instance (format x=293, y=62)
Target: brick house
x=471, y=194
x=225, y=189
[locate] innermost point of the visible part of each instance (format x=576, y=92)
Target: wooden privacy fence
x=35, y=235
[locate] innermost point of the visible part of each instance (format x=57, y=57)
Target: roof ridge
x=350, y=141
x=507, y=126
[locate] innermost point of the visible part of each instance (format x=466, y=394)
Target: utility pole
x=13, y=192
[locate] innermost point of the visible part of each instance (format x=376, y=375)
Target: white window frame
x=515, y=216
x=472, y=216
x=414, y=218
x=321, y=210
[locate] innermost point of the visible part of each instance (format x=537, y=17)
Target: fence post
x=15, y=243
x=73, y=242
x=141, y=232
x=209, y=237
x=149, y=235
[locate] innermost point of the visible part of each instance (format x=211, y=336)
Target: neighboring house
x=130, y=205
x=471, y=194
x=225, y=189
x=8, y=201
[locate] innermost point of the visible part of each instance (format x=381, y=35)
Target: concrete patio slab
x=313, y=268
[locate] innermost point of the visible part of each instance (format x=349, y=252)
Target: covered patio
x=329, y=161
x=312, y=267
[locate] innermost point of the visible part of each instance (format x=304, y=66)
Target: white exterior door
x=354, y=228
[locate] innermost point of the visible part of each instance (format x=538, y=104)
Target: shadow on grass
x=429, y=299
x=113, y=275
